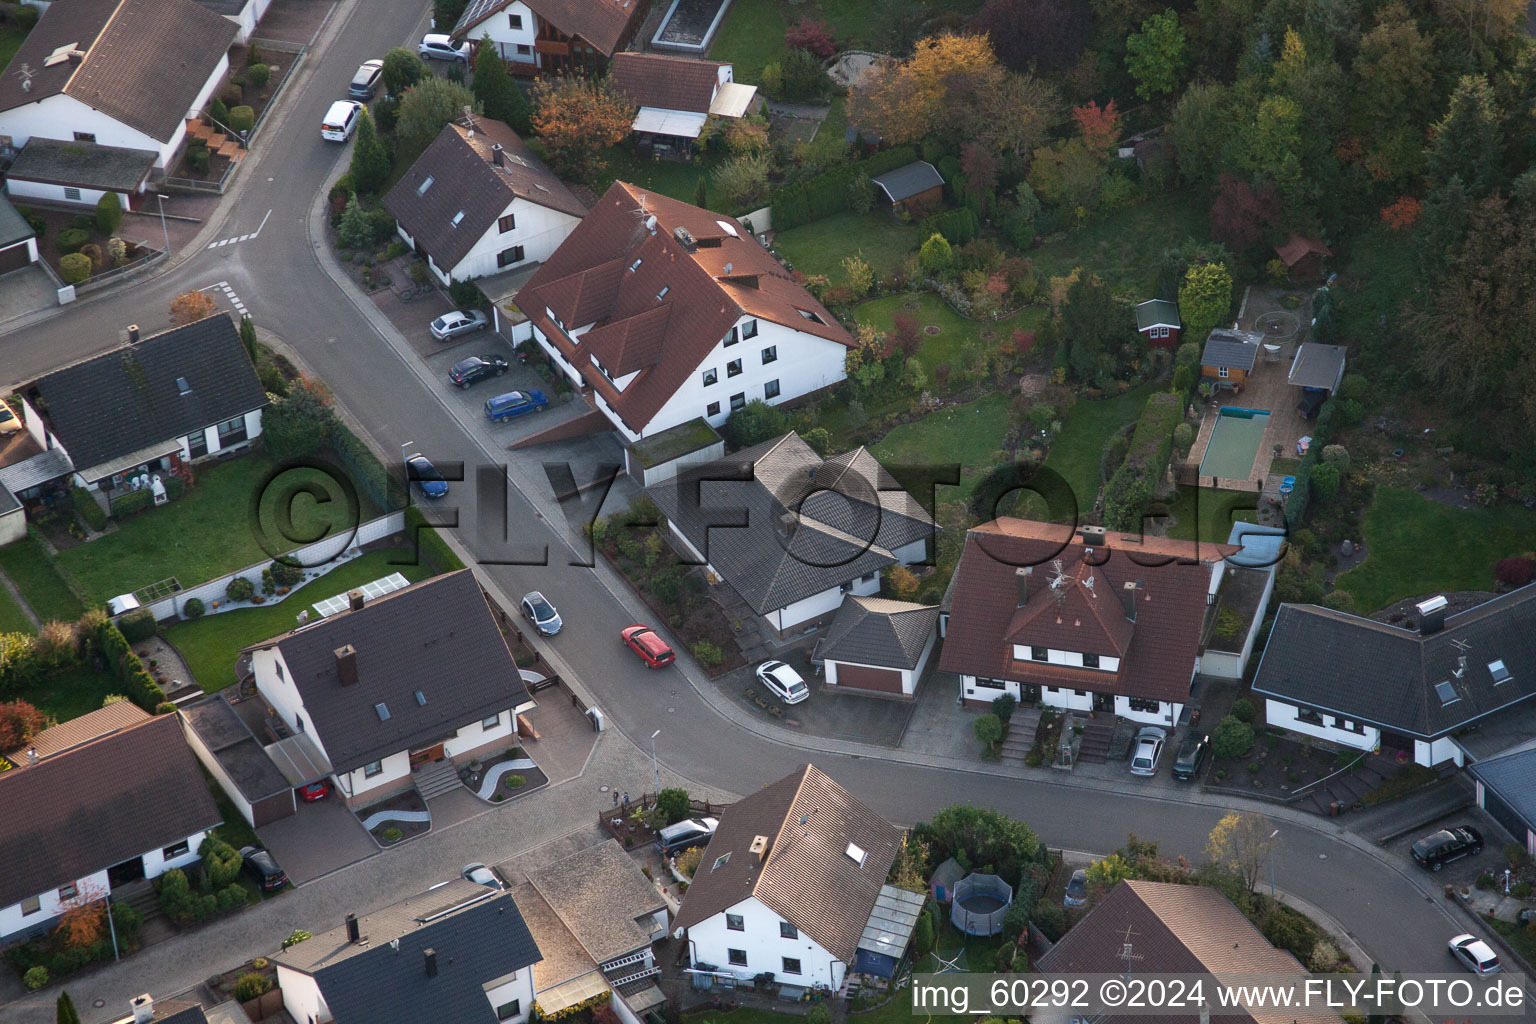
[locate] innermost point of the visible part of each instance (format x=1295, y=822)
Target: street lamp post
x=1272, y=864
x=163, y=229
x=655, y=769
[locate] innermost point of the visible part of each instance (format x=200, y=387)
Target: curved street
x=287, y=280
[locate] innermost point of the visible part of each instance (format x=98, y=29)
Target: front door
x=1103, y=702
x=425, y=754
x=127, y=871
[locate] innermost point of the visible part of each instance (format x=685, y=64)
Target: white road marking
x=242, y=238
x=229, y=293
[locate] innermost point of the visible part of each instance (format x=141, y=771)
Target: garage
x=866, y=677
x=18, y=244
x=877, y=646
x=15, y=258
x=1506, y=789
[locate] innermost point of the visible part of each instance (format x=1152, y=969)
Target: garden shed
x=919, y=181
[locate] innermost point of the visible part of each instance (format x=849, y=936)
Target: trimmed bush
x=1242, y=710
x=221, y=861
x=285, y=575
x=193, y=608
x=240, y=589
x=71, y=239
x=1129, y=491
x=1233, y=738
x=259, y=75
x=132, y=503
x=137, y=625
x=673, y=804
x=828, y=193
x=242, y=118
x=36, y=977
x=516, y=781
x=198, y=159
x=109, y=213
x=252, y=986
x=75, y=268
x=957, y=226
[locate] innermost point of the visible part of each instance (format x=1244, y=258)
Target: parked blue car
x=514, y=404
x=425, y=475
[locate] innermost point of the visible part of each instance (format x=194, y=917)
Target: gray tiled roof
x=233, y=745
x=84, y=810
x=1157, y=312
x=478, y=934
x=437, y=637
x=127, y=399
x=83, y=164
x=1317, y=366
x=1388, y=676
x=1230, y=348
x=1513, y=778
x=39, y=469
x=906, y=182
x=876, y=631
x=851, y=515
x=13, y=226
x=599, y=893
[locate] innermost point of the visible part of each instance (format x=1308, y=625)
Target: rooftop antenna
x=1058, y=582
x=1126, y=954
x=25, y=74
x=1088, y=581
x=1461, y=645
x=645, y=221
x=469, y=117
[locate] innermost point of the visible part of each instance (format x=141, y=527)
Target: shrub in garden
x=1514, y=572
x=198, y=159
x=137, y=625
x=221, y=861
x=708, y=654
x=1337, y=455
x=132, y=504
x=1242, y=710
x=193, y=608
x=936, y=255
x=252, y=986
x=1233, y=738
x=109, y=213
x=988, y=729
x=71, y=239
x=672, y=803
x=218, y=111
x=241, y=119
x=286, y=575
x=393, y=835
x=259, y=75
x=239, y=589
x=268, y=584
x=516, y=782
x=75, y=268
x=35, y=978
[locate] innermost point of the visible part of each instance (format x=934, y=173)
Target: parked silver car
x=460, y=321
x=1149, y=750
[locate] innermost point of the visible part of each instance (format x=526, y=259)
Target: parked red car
x=318, y=790
x=647, y=643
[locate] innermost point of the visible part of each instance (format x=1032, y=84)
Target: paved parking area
x=565, y=735
x=294, y=21
x=827, y=712
x=317, y=839
x=28, y=290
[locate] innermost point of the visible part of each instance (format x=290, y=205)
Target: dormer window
x=812, y=317
x=426, y=183
x=1499, y=671
x=1090, y=661
x=855, y=854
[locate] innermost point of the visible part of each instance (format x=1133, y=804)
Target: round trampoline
x=980, y=903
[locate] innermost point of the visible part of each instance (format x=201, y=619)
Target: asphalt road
x=383, y=387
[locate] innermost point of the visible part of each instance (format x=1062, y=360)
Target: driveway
x=317, y=839
x=28, y=290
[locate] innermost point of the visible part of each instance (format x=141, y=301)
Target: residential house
x=1156, y=928
x=1241, y=586
x=878, y=645
x=1370, y=685
x=1229, y=356
x=918, y=183
x=145, y=1009
x=664, y=312
x=1506, y=789
x=120, y=73
x=180, y=395
x=1317, y=370
x=1303, y=257
x=79, y=173
x=1086, y=621
x=391, y=684
x=553, y=37
x=676, y=95
x=18, y=242
x=458, y=952
x=93, y=805
x=790, y=533
x=792, y=885
x=478, y=202
x=244, y=13
x=1158, y=321
x=594, y=916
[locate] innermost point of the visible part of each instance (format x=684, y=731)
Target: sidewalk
x=1398, y=818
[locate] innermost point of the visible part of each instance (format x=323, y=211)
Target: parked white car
x=783, y=681
x=1475, y=954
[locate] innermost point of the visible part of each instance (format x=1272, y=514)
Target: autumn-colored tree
x=19, y=722
x=1401, y=213
x=1016, y=114
x=577, y=119
x=1205, y=298
x=1239, y=214
x=84, y=921
x=931, y=91
x=1242, y=842
x=810, y=35
x=192, y=305
x=902, y=583
x=1099, y=126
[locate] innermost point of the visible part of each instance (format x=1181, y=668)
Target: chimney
x=1128, y=598
x=1094, y=535
x=355, y=600
x=497, y=157
x=346, y=665
x=1021, y=583
x=430, y=956
x=759, y=849
x=353, y=932
x=133, y=334
x=1432, y=614
x=788, y=522
x=143, y=1008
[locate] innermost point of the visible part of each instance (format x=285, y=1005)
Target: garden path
x=21, y=602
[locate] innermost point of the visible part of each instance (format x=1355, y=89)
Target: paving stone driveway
x=317, y=839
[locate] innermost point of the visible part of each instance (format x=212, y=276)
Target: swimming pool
x=1234, y=442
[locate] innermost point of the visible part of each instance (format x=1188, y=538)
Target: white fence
x=324, y=555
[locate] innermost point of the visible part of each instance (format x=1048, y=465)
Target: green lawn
x=831, y=142
x=751, y=37
x=12, y=618
x=69, y=693
x=212, y=643
x=668, y=177
x=954, y=329
x=1124, y=248
x=1214, y=516
x=30, y=568
x=10, y=42
x=971, y=435
x=1416, y=546
x=1077, y=451
x=208, y=532
x=820, y=247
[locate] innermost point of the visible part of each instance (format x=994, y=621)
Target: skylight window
x=1499, y=672
x=810, y=316
x=636, y=265
x=458, y=217
x=663, y=293
x=383, y=710
x=856, y=854
x=1447, y=693
x=426, y=183
x=721, y=862
x=421, y=699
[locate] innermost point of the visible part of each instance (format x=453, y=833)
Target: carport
x=229, y=751
x=1506, y=789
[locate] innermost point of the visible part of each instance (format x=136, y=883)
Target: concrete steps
x=140, y=896
x=436, y=778
x=1097, y=733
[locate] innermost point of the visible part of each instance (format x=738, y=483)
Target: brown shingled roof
x=600, y=22
x=668, y=83
x=612, y=269
x=1159, y=648
x=93, y=725
x=807, y=876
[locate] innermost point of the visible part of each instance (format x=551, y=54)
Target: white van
x=340, y=120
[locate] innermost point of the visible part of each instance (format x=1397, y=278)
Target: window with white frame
x=1221, y=371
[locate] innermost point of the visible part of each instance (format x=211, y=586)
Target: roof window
x=663, y=293
x=1499, y=671
x=810, y=316
x=458, y=217
x=721, y=862
x=383, y=710
x=636, y=265
x=1447, y=693
x=426, y=183
x=856, y=854
x=421, y=699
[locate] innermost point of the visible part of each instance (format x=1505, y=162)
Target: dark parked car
x=366, y=80
x=1191, y=756
x=420, y=469
x=1437, y=850
x=261, y=867
x=689, y=832
x=514, y=404
x=475, y=369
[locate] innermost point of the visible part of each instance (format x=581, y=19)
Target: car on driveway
x=420, y=470
x=514, y=404
x=437, y=46
x=459, y=322
x=1149, y=750
x=682, y=835
x=9, y=424
x=262, y=868
x=1475, y=954
x=482, y=875
x=317, y=790
x=366, y=80
x=1438, y=849
x=784, y=681
x=1191, y=757
x=1077, y=889
x=646, y=642
x=476, y=368
x=538, y=610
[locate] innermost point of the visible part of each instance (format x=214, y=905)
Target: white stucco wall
x=475, y=735
x=1432, y=752
x=275, y=683
x=539, y=231
x=395, y=767
x=764, y=946
x=1072, y=659
x=1165, y=715
x=507, y=39
x=13, y=526
x=301, y=996
x=807, y=608
x=1285, y=716
x=20, y=189
x=518, y=985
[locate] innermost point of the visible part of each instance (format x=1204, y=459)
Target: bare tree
x=1242, y=842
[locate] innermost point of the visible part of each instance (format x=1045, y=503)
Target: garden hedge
x=430, y=543
x=137, y=626
x=141, y=687
x=1129, y=491
x=1301, y=492
x=957, y=226
x=93, y=514
x=827, y=193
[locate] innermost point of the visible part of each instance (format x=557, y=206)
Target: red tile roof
x=667, y=83
x=616, y=273
x=1157, y=650
x=600, y=22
